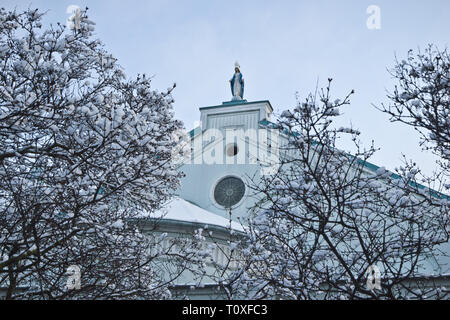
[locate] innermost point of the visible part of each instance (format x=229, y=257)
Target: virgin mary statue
x=237, y=84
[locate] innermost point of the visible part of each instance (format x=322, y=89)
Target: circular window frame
x=213, y=200
x=235, y=147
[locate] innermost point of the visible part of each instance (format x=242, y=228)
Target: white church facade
x=228, y=158
x=228, y=149
x=232, y=147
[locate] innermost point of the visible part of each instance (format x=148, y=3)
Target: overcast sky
x=282, y=47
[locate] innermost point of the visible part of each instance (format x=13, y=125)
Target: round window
x=229, y=191
x=232, y=149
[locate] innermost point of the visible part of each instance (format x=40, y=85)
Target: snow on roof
x=180, y=209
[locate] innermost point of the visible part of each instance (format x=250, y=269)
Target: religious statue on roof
x=237, y=83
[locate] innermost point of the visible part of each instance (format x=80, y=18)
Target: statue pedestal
x=235, y=101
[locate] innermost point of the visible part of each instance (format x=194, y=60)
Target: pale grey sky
x=282, y=47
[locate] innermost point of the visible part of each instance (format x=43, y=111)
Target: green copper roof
x=370, y=166
x=237, y=103
x=195, y=131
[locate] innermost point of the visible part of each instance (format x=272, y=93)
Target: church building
x=233, y=146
